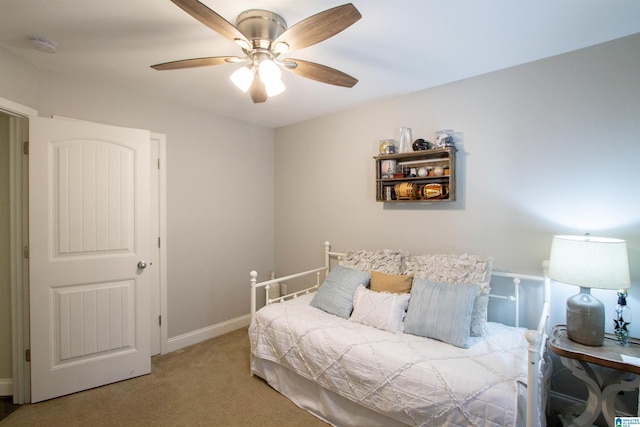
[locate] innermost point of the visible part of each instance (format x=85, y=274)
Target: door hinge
x=158, y=242
x=25, y=147
x=158, y=163
x=25, y=252
x=27, y=355
x=160, y=320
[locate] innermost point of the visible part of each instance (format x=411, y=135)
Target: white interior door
x=89, y=229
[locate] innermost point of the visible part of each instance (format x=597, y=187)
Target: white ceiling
x=397, y=47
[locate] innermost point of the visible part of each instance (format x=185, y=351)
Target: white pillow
x=381, y=310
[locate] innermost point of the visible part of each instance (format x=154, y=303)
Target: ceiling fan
x=263, y=36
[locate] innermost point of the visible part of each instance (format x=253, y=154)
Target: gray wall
x=216, y=233
x=549, y=147
x=546, y=148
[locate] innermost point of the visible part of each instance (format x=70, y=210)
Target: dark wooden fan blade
x=319, y=27
x=321, y=73
x=257, y=90
x=193, y=63
x=209, y=18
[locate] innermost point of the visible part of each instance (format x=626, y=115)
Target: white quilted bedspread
x=415, y=380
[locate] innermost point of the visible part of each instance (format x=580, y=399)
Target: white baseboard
x=209, y=332
x=6, y=386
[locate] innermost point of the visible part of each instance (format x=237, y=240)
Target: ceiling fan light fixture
x=242, y=78
x=274, y=87
x=271, y=76
x=263, y=36
x=269, y=71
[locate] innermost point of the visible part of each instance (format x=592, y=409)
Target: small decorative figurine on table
x=622, y=319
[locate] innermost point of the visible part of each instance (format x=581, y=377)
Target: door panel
x=93, y=199
x=89, y=219
x=93, y=318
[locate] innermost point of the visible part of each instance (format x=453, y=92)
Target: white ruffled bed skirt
x=333, y=408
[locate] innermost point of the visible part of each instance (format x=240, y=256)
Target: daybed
x=387, y=355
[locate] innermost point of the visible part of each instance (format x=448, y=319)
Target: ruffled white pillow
x=381, y=310
x=387, y=261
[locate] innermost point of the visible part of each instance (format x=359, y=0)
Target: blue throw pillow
x=335, y=295
x=441, y=311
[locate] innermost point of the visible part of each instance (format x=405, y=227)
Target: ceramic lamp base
x=585, y=319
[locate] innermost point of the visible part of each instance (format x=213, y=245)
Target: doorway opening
x=14, y=370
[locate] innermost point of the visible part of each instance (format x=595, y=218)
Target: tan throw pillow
x=392, y=283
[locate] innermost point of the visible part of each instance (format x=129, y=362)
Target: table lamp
x=588, y=262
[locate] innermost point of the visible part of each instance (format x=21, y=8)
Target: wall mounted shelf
x=416, y=176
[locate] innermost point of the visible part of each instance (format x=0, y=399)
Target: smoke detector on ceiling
x=44, y=44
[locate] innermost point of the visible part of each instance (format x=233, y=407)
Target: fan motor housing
x=260, y=26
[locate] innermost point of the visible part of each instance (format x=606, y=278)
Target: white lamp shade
x=274, y=87
x=270, y=75
x=269, y=71
x=242, y=77
x=589, y=262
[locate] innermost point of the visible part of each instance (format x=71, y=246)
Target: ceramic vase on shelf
x=406, y=140
x=622, y=319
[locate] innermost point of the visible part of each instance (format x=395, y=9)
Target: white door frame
x=160, y=305
x=19, y=239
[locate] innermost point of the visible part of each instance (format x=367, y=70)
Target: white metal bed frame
x=536, y=338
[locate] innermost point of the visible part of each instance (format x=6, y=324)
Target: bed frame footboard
x=536, y=397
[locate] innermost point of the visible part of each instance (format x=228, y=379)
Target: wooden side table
x=602, y=386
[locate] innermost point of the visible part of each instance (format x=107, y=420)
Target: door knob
x=142, y=265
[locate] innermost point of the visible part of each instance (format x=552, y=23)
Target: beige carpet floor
x=207, y=384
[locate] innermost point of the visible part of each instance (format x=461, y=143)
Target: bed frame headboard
x=331, y=257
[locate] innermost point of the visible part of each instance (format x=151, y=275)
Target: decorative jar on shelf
x=387, y=146
x=406, y=140
x=622, y=319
